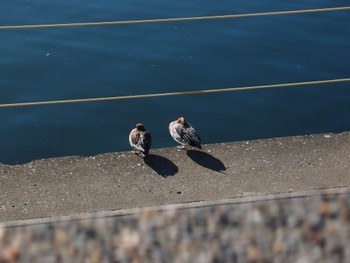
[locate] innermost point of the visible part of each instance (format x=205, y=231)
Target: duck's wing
x=189, y=135
x=145, y=141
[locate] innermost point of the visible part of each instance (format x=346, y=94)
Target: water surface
x=99, y=61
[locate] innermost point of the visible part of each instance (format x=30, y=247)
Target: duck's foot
x=181, y=147
x=136, y=152
x=139, y=153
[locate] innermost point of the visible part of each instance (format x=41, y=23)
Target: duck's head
x=140, y=127
x=181, y=120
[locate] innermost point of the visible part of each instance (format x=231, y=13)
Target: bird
x=184, y=134
x=140, y=140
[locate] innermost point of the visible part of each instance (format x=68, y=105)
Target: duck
x=140, y=140
x=184, y=133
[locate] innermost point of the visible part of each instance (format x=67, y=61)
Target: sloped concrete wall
x=288, y=228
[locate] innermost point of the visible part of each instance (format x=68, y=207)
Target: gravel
x=313, y=228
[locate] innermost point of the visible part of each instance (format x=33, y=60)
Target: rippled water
x=99, y=61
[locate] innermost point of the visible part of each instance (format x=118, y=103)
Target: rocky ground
x=302, y=229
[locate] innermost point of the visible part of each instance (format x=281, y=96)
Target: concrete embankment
x=298, y=227
x=114, y=181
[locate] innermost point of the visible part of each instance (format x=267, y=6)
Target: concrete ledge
x=101, y=215
x=109, y=182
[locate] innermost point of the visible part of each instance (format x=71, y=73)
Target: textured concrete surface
x=306, y=228
x=73, y=185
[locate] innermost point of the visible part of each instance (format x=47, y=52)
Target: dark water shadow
x=161, y=165
x=206, y=160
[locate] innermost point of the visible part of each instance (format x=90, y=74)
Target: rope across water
x=164, y=20
x=177, y=93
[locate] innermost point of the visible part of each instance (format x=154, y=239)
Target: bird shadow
x=161, y=165
x=206, y=160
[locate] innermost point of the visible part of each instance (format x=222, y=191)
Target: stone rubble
x=296, y=229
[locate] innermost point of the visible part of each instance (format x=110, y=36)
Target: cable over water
x=164, y=20
x=177, y=93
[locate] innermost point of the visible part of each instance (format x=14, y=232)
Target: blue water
x=99, y=61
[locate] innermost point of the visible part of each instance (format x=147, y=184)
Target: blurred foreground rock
x=302, y=229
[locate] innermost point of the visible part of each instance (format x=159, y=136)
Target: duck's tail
x=196, y=144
